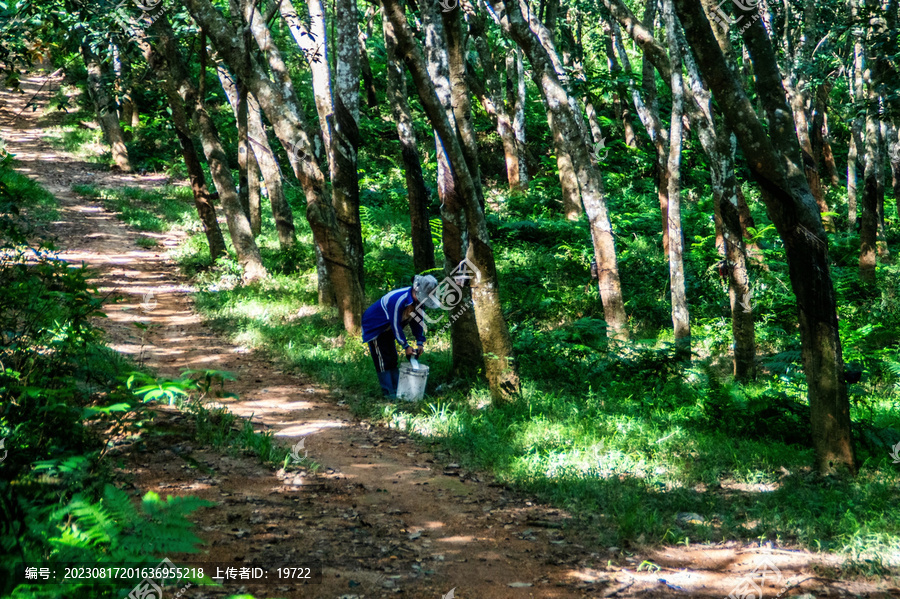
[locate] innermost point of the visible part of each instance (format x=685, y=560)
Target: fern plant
x=115, y=529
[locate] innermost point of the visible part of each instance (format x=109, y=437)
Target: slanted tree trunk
x=492, y=98
x=680, y=314
x=340, y=133
x=423, y=245
x=180, y=119
x=467, y=351
x=265, y=158
x=777, y=165
x=238, y=224
x=647, y=106
x=500, y=367
x=569, y=128
x=105, y=108
x=460, y=99
x=313, y=43
x=283, y=111
x=569, y=181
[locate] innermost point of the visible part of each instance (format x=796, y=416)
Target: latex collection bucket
x=413, y=377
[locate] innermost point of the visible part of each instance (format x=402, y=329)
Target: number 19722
x=294, y=573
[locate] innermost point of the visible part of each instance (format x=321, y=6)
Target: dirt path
x=385, y=517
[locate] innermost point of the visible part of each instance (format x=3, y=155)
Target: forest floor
x=384, y=515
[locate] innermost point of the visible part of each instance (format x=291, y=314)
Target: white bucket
x=412, y=381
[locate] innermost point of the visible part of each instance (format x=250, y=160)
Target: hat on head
x=423, y=285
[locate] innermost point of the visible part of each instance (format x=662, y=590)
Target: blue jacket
x=387, y=313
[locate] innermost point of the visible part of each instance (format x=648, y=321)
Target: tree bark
x=492, y=98
x=286, y=116
x=202, y=197
x=570, y=129
x=338, y=121
x=313, y=43
x=873, y=181
x=365, y=66
x=460, y=101
x=777, y=165
x=253, y=195
x=345, y=178
x=680, y=314
x=423, y=245
x=467, y=351
x=238, y=224
x=500, y=367
x=105, y=108
x=516, y=98
x=265, y=158
x=894, y=149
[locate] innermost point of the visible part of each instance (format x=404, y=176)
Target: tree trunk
x=467, y=351
x=777, y=166
x=313, y=43
x=423, y=245
x=731, y=214
x=894, y=149
x=105, y=108
x=202, y=197
x=455, y=36
x=500, y=367
x=340, y=132
x=265, y=158
x=516, y=98
x=345, y=178
x=284, y=112
x=366, y=67
x=569, y=129
x=492, y=98
x=253, y=195
x=680, y=314
x=874, y=166
x=238, y=224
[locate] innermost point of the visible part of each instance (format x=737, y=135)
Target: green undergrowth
x=70, y=410
x=627, y=438
x=25, y=203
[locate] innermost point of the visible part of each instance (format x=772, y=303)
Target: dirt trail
x=385, y=517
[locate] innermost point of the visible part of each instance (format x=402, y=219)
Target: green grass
x=154, y=210
x=36, y=203
x=629, y=440
x=625, y=440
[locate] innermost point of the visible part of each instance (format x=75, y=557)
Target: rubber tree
x=178, y=82
x=493, y=331
x=731, y=213
x=265, y=158
x=776, y=164
x=568, y=121
x=289, y=124
x=680, y=315
x=417, y=194
x=104, y=106
x=466, y=348
x=338, y=121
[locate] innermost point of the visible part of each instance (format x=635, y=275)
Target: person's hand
x=420, y=351
x=409, y=352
